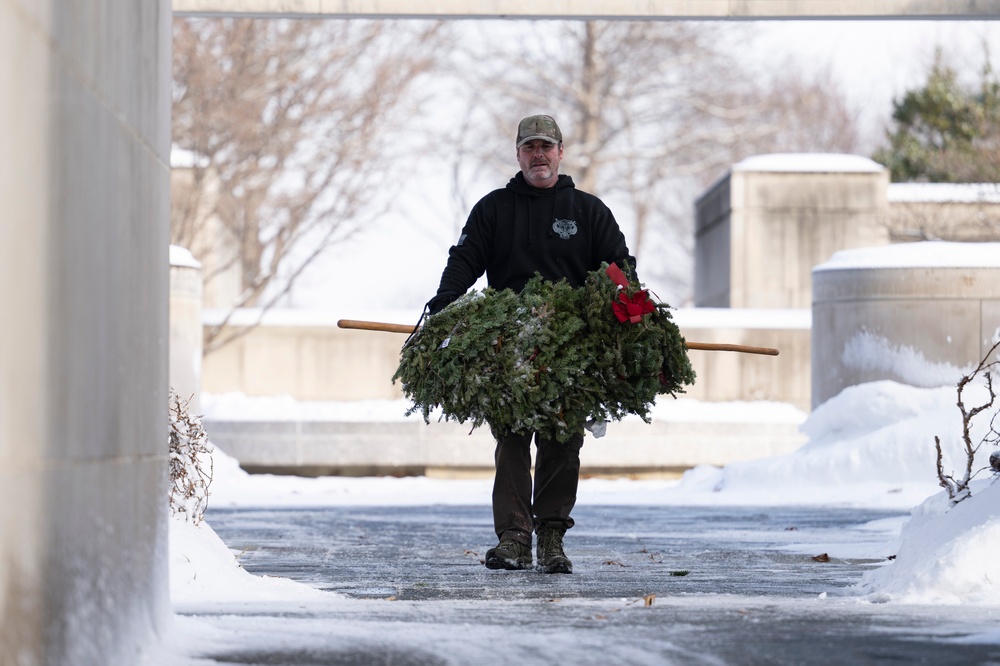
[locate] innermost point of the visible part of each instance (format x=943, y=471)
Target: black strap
x=416, y=327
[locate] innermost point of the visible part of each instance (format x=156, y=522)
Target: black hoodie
x=515, y=232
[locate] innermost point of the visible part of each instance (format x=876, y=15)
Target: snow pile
x=872, y=445
x=233, y=487
x=202, y=568
x=947, y=555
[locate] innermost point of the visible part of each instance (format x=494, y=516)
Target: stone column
x=84, y=190
x=186, y=335
x=921, y=314
x=762, y=227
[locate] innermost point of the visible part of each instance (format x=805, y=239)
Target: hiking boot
x=551, y=558
x=509, y=554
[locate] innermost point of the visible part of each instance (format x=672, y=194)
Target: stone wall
x=305, y=356
x=84, y=107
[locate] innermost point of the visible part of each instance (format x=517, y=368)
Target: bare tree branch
x=289, y=124
x=958, y=489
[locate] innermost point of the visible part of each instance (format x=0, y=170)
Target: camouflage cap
x=538, y=127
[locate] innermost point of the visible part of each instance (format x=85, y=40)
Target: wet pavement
x=651, y=585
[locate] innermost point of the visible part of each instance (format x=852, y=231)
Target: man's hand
x=441, y=301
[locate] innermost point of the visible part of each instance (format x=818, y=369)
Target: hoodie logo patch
x=565, y=228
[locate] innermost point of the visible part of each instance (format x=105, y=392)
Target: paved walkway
x=652, y=585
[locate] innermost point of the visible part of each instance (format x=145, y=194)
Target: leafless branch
x=958, y=489
x=289, y=124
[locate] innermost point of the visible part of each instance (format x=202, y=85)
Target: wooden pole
x=376, y=326
x=743, y=349
x=701, y=346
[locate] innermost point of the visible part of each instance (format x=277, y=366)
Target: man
x=538, y=223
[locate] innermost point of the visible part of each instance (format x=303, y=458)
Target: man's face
x=539, y=161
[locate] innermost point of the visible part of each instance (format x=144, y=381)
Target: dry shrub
x=191, y=463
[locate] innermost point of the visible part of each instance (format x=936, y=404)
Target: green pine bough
x=551, y=359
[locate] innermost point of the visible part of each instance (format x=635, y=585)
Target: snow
x=869, y=447
x=776, y=318
x=182, y=158
x=240, y=407
x=944, y=193
x=809, y=163
x=870, y=352
x=182, y=257
x=927, y=254
x=202, y=567
x=945, y=556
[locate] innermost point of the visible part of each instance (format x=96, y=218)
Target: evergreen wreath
x=551, y=359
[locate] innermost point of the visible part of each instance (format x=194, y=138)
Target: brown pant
x=516, y=510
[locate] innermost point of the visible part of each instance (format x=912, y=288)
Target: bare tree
x=652, y=111
x=288, y=124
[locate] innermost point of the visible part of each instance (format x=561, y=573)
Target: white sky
x=877, y=61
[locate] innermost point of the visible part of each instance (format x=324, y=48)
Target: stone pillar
x=186, y=334
x=921, y=314
x=85, y=114
x=761, y=228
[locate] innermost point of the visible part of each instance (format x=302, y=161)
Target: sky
x=873, y=62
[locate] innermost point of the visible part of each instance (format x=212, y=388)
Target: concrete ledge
x=631, y=447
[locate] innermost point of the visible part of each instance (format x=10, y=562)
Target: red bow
x=632, y=309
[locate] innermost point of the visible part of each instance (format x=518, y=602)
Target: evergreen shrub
x=551, y=359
